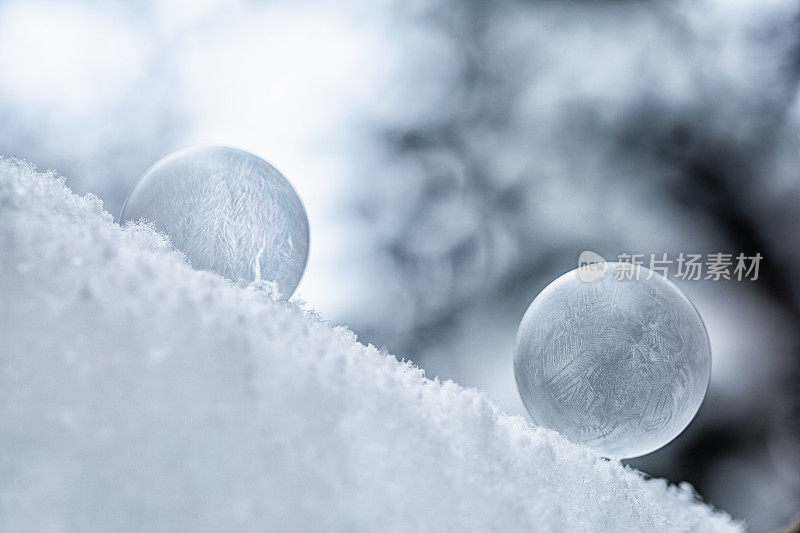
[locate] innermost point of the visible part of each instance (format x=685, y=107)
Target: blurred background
x=455, y=157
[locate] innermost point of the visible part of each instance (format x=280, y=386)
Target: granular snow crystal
x=139, y=394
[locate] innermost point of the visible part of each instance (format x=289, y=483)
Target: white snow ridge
x=138, y=394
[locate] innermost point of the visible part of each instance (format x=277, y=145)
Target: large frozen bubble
x=620, y=363
x=229, y=212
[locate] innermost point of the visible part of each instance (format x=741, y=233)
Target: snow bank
x=138, y=394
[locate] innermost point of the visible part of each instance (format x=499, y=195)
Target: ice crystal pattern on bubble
x=229, y=212
x=619, y=365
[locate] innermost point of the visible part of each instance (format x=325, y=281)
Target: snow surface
x=138, y=394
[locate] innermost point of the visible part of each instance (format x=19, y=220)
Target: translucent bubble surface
x=229, y=211
x=621, y=365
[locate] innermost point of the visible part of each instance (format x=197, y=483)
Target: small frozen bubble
x=229, y=211
x=621, y=365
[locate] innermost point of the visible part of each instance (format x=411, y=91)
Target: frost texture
x=621, y=365
x=139, y=394
x=229, y=211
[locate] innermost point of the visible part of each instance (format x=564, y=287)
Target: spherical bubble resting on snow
x=621, y=365
x=229, y=212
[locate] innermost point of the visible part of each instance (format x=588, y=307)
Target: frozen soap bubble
x=620, y=365
x=229, y=211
